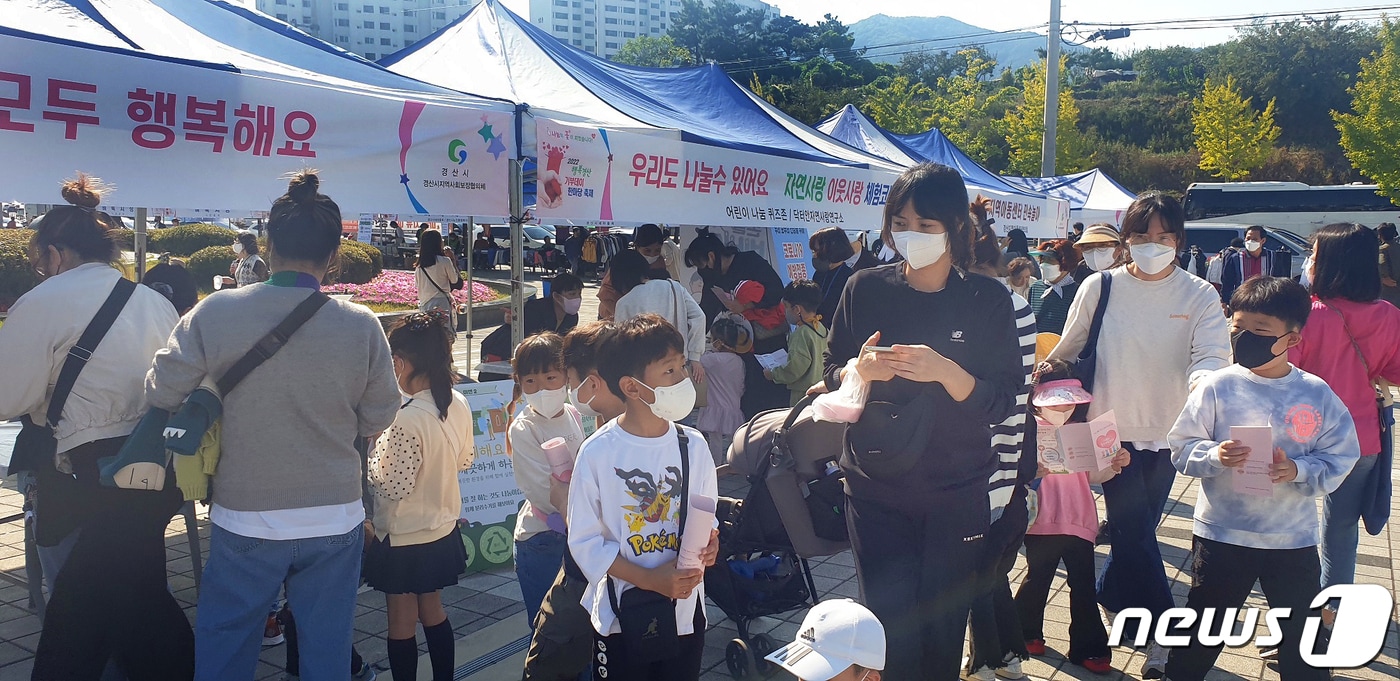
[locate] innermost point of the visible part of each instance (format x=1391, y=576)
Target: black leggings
x=1044, y=552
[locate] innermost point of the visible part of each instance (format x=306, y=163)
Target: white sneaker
x=1012, y=668
x=1155, y=666
x=983, y=674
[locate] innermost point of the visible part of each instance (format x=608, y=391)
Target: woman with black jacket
x=917, y=486
x=832, y=254
x=722, y=267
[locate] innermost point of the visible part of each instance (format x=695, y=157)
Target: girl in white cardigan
x=413, y=470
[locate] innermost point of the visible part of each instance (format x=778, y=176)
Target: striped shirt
x=1008, y=436
x=1052, y=307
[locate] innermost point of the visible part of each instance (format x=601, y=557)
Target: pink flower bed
x=397, y=287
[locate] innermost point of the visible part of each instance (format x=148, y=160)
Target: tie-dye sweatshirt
x=1309, y=423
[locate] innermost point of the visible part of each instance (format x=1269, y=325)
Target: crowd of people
x=337, y=462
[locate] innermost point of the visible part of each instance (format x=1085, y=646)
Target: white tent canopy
x=1092, y=195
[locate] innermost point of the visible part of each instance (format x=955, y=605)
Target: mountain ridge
x=892, y=37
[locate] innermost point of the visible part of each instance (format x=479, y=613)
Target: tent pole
x=140, y=265
x=467, y=235
x=517, y=253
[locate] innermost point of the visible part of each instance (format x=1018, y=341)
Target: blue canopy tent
x=1014, y=205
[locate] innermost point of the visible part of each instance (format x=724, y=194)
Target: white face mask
x=1050, y=272
x=585, y=408
x=547, y=402
x=1054, y=417
x=673, y=403
x=1099, y=259
x=1253, y=246
x=571, y=305
x=651, y=259
x=237, y=248
x=920, y=249
x=1153, y=258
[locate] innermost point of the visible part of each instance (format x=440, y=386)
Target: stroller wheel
x=736, y=657
x=763, y=646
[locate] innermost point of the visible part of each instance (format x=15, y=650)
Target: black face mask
x=1253, y=350
x=820, y=265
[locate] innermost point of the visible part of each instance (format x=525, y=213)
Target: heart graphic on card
x=1107, y=440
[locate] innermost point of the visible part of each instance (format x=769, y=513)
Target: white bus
x=1290, y=206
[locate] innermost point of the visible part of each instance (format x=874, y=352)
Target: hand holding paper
x=695, y=536
x=561, y=460
x=1252, y=476
x=1284, y=469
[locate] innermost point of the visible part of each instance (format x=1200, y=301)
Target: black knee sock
x=403, y=657
x=441, y=649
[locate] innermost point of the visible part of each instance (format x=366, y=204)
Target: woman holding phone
x=918, y=460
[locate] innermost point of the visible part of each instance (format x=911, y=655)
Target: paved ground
x=486, y=611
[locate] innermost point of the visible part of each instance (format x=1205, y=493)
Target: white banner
x=596, y=176
x=205, y=141
x=600, y=177
x=489, y=494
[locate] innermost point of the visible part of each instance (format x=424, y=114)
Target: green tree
x=1233, y=138
x=1371, y=133
x=1025, y=127
x=900, y=105
x=660, y=52
x=968, y=105
x=721, y=31
x=1306, y=66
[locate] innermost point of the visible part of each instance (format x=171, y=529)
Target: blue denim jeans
x=537, y=563
x=1133, y=576
x=244, y=575
x=1341, y=517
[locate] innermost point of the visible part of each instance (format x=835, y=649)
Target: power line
x=1242, y=17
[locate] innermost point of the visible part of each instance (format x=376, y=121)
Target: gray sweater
x=289, y=429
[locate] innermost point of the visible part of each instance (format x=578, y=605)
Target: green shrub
x=125, y=238
x=188, y=239
x=359, y=263
x=16, y=276
x=208, y=262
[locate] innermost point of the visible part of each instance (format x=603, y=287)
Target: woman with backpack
x=1161, y=330
x=102, y=548
x=1351, y=340
x=920, y=456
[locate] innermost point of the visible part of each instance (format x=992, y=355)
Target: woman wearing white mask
x=1100, y=249
x=248, y=267
x=539, y=528
x=917, y=494
x=1162, y=330
x=1050, y=297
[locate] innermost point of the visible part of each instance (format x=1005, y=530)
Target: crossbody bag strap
x=1095, y=326
x=1354, y=345
x=685, y=506
x=81, y=351
x=271, y=343
x=429, y=277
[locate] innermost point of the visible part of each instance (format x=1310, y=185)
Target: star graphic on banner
x=485, y=132
x=496, y=148
x=403, y=179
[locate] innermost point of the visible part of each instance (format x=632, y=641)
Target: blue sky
x=1012, y=14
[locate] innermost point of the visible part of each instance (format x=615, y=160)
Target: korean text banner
x=490, y=498
x=604, y=176
x=182, y=136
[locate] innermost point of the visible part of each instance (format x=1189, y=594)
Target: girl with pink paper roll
x=544, y=440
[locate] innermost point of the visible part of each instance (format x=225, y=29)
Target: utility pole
x=1052, y=91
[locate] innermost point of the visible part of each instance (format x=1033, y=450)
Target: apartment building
x=370, y=28
x=601, y=27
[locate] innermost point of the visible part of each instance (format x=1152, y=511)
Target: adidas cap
x=834, y=635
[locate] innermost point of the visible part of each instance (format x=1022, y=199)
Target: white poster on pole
x=200, y=139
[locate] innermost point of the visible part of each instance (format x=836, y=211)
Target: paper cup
x=218, y=282
x=699, y=520
x=561, y=460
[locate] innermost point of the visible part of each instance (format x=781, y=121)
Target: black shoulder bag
x=268, y=345
x=1087, y=364
x=647, y=618
x=36, y=447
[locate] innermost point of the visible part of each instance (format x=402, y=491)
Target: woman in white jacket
x=665, y=297
x=102, y=548
x=413, y=470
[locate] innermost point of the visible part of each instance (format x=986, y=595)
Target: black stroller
x=794, y=510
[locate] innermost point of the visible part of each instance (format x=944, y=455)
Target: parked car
x=534, y=236
x=1214, y=237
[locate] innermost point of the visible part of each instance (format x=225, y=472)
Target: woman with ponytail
x=413, y=470
x=286, y=501
x=102, y=548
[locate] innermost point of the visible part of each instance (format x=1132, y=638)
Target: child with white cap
x=1064, y=529
x=840, y=640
